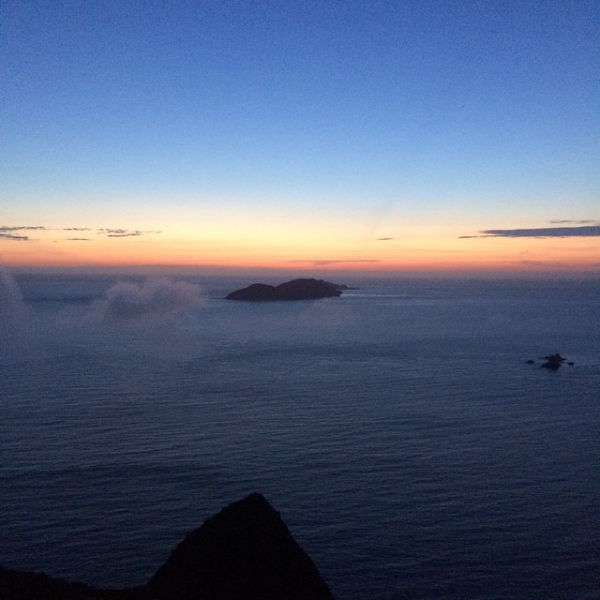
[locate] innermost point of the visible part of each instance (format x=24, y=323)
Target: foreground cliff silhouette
x=245, y=552
x=296, y=289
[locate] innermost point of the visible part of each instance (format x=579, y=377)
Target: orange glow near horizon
x=307, y=250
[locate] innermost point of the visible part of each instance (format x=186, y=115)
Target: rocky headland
x=245, y=552
x=296, y=289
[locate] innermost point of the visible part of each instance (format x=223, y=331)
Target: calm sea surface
x=411, y=450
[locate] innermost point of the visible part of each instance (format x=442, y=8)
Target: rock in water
x=554, y=361
x=245, y=552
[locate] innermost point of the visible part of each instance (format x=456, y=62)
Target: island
x=296, y=289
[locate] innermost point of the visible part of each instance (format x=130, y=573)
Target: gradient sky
x=301, y=134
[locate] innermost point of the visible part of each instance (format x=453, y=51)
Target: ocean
x=409, y=446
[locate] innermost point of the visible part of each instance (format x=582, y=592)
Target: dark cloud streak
x=6, y=228
x=540, y=232
x=119, y=234
x=8, y=232
x=14, y=238
x=583, y=222
x=125, y=232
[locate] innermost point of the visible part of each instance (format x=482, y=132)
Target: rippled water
x=409, y=447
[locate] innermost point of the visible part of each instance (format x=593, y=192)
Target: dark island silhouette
x=245, y=552
x=296, y=289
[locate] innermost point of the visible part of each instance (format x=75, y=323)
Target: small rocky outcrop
x=296, y=289
x=245, y=552
x=552, y=362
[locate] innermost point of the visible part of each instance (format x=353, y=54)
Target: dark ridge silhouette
x=23, y=585
x=296, y=289
x=245, y=552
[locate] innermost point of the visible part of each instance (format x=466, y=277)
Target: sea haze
x=409, y=446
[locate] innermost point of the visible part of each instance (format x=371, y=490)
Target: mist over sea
x=409, y=447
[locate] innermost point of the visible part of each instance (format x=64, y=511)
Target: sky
x=302, y=135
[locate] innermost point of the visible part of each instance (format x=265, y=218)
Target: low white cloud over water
x=152, y=297
x=16, y=332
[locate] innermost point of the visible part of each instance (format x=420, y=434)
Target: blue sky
x=208, y=121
